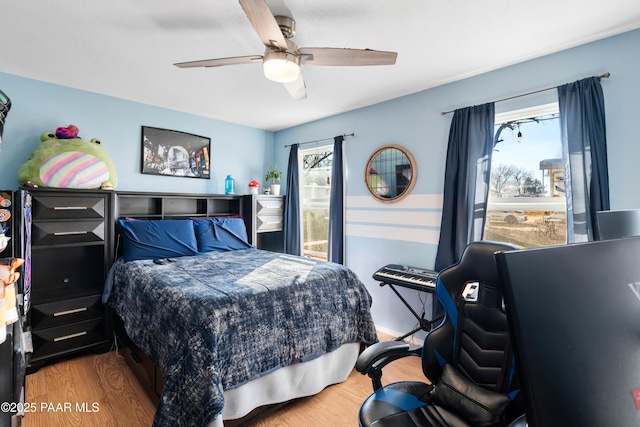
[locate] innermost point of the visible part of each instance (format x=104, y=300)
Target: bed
x=230, y=326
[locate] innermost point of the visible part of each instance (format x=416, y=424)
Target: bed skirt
x=290, y=382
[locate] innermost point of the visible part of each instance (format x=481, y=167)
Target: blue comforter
x=216, y=321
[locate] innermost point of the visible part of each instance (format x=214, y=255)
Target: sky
x=539, y=141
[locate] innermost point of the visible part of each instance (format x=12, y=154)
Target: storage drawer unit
x=71, y=251
x=264, y=216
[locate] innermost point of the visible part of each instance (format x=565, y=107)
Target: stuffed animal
x=63, y=160
x=8, y=303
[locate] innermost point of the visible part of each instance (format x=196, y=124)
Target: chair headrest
x=477, y=263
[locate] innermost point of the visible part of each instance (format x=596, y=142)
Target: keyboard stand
x=423, y=324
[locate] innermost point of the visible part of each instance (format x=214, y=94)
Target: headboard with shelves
x=174, y=206
x=262, y=214
x=142, y=205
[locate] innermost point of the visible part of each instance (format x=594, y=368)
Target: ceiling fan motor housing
x=287, y=26
x=272, y=54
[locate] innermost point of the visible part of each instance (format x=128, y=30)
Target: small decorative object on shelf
x=229, y=184
x=253, y=187
x=8, y=310
x=272, y=176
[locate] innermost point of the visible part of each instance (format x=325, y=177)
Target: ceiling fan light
x=281, y=67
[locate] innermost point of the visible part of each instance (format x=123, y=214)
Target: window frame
x=301, y=154
x=512, y=116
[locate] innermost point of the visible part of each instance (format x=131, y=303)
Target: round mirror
x=391, y=173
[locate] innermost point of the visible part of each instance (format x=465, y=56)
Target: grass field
x=534, y=232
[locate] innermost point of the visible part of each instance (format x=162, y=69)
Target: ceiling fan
x=282, y=58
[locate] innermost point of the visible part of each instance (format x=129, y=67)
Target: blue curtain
x=584, y=151
x=466, y=181
x=336, y=205
x=292, y=239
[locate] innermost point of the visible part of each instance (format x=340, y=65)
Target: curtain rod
x=602, y=76
x=319, y=140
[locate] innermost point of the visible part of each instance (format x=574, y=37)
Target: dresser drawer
x=266, y=223
x=75, y=336
x=67, y=207
x=269, y=206
x=66, y=311
x=56, y=233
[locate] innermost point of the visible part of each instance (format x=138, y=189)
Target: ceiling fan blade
x=264, y=23
x=338, y=57
x=297, y=89
x=219, y=62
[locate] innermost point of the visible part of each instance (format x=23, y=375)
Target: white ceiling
x=127, y=48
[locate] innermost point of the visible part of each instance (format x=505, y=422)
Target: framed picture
x=173, y=153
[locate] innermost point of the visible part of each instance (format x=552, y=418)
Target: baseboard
x=390, y=334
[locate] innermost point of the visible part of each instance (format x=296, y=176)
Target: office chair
x=467, y=358
x=618, y=223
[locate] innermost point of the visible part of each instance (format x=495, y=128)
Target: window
x=526, y=204
x=315, y=195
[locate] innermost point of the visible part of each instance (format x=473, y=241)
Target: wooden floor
x=100, y=390
x=101, y=383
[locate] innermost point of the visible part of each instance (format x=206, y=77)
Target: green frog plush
x=63, y=160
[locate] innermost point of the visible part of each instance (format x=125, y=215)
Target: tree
x=511, y=180
x=315, y=167
x=323, y=159
x=520, y=177
x=501, y=179
x=534, y=187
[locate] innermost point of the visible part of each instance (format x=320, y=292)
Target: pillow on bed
x=152, y=239
x=221, y=234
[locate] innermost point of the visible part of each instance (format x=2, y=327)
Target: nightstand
x=264, y=216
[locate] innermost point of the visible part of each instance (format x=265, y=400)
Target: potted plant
x=272, y=176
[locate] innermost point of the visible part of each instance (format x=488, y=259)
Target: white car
x=510, y=217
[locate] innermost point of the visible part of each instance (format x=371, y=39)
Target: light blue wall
x=381, y=233
x=376, y=233
x=39, y=107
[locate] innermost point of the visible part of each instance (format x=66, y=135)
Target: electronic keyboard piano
x=409, y=277
x=416, y=278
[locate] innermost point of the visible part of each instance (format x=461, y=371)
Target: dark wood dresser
x=71, y=238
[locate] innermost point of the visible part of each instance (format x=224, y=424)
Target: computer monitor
x=618, y=223
x=574, y=313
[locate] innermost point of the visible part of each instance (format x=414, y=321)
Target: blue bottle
x=229, y=183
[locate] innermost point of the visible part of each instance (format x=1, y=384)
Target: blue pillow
x=152, y=239
x=221, y=234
